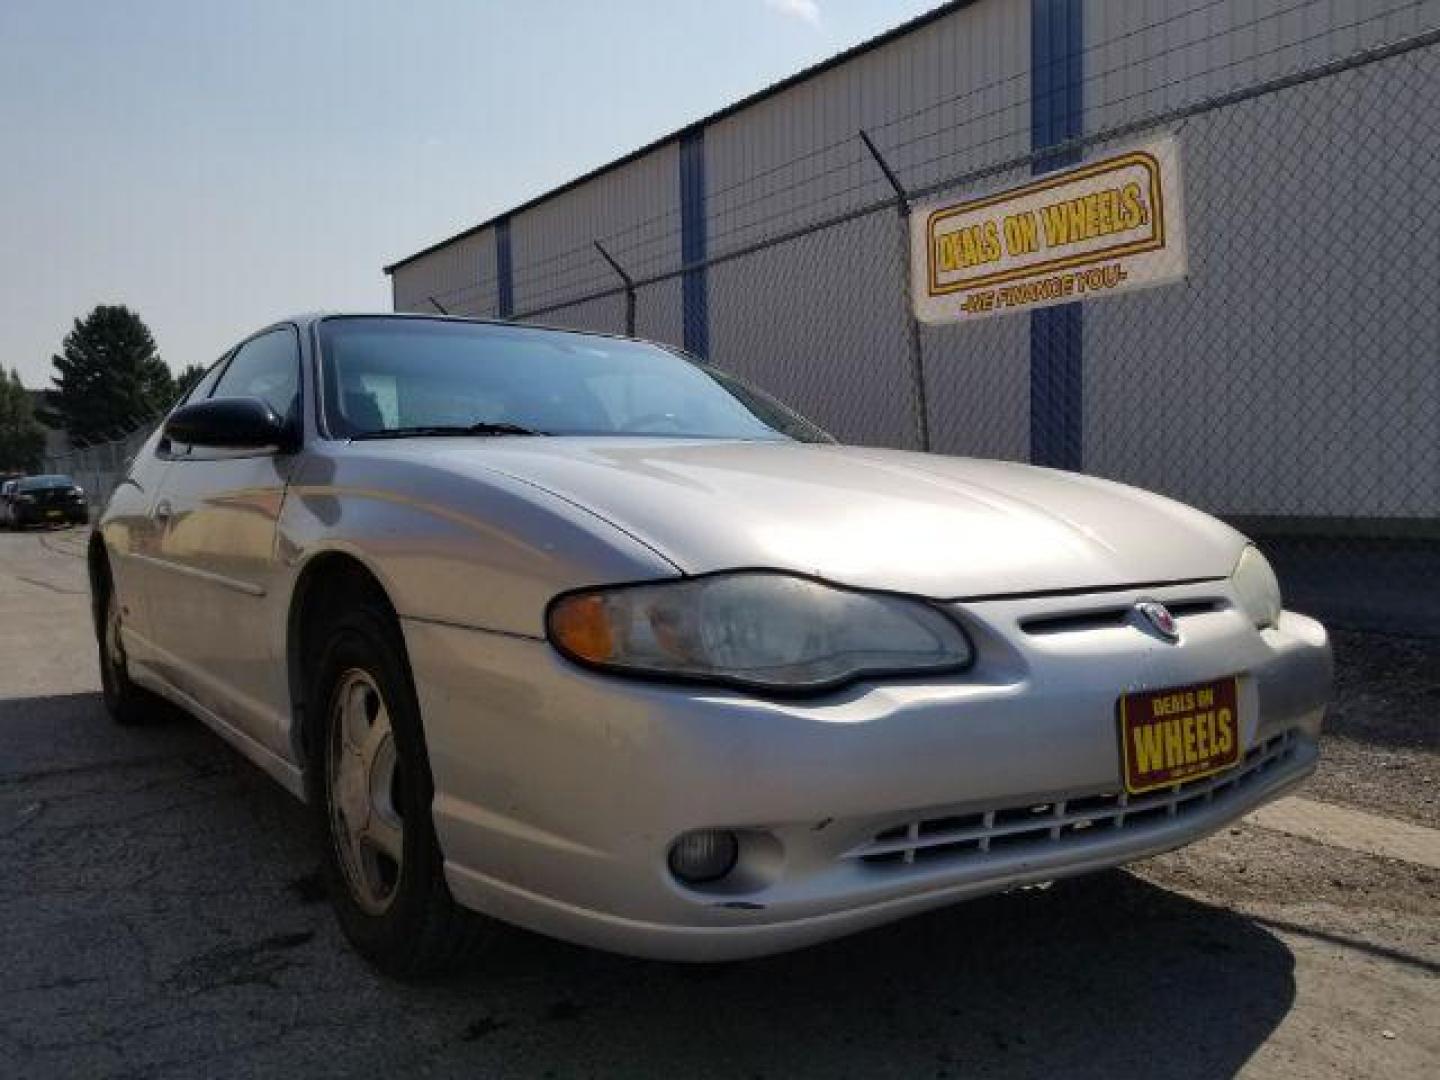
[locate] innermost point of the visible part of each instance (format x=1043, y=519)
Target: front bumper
x=559, y=792
x=51, y=515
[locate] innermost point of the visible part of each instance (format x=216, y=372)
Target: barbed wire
x=587, y=275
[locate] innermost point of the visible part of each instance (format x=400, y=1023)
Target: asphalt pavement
x=163, y=915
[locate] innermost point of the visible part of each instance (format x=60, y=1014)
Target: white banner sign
x=1103, y=227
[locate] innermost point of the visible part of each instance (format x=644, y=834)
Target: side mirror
x=238, y=423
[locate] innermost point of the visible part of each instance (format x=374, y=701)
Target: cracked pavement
x=163, y=916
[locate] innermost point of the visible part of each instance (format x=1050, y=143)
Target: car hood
x=921, y=523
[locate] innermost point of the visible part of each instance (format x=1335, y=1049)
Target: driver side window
x=201, y=389
x=267, y=367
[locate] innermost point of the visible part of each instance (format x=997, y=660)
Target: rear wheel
x=124, y=701
x=372, y=792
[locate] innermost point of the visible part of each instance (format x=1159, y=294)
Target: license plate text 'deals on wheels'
x=1180, y=733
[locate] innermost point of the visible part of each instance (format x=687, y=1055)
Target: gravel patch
x=1381, y=750
x=1247, y=866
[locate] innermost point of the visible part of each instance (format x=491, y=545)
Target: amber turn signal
x=580, y=625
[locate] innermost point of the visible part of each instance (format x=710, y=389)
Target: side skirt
x=290, y=778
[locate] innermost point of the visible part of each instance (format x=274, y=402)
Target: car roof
x=45, y=480
x=310, y=318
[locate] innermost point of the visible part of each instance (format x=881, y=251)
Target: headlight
x=77, y=492
x=757, y=629
x=1257, y=587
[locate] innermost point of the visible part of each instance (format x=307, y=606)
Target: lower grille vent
x=1062, y=820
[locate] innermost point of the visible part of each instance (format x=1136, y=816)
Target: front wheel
x=372, y=786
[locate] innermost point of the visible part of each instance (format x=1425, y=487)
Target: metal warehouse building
x=1292, y=378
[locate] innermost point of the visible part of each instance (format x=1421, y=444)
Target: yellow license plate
x=1178, y=734
x=54, y=513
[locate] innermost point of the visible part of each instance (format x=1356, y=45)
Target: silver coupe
x=577, y=633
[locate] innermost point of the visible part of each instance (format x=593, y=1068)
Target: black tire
x=124, y=701
x=420, y=930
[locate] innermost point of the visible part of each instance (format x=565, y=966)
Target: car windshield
x=41, y=483
x=431, y=376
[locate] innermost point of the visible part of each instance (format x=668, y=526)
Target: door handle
x=163, y=512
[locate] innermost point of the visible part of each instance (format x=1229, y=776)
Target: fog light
x=704, y=855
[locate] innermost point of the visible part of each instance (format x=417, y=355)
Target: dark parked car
x=47, y=500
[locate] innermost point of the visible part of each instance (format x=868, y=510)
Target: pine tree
x=22, y=439
x=110, y=376
x=188, y=378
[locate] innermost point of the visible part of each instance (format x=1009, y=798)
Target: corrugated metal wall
x=460, y=277
x=634, y=210
x=1146, y=58
x=1252, y=387
x=821, y=320
x=832, y=311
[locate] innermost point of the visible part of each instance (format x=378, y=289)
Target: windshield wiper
x=440, y=430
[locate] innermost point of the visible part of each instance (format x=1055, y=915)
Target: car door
x=133, y=534
x=216, y=513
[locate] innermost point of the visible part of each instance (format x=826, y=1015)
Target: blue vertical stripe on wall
x=694, y=300
x=1056, y=333
x=504, y=271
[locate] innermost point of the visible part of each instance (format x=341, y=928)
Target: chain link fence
x=100, y=466
x=1290, y=385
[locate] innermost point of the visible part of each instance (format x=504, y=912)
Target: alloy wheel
x=361, y=773
x=114, y=649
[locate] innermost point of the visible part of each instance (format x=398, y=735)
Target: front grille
x=1061, y=821
x=1102, y=618
x=53, y=496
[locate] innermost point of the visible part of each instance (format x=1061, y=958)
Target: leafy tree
x=22, y=438
x=188, y=378
x=110, y=376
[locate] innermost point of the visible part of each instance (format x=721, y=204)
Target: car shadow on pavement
x=161, y=876
x=1099, y=976
x=64, y=732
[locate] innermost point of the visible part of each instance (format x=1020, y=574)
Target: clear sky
x=216, y=164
